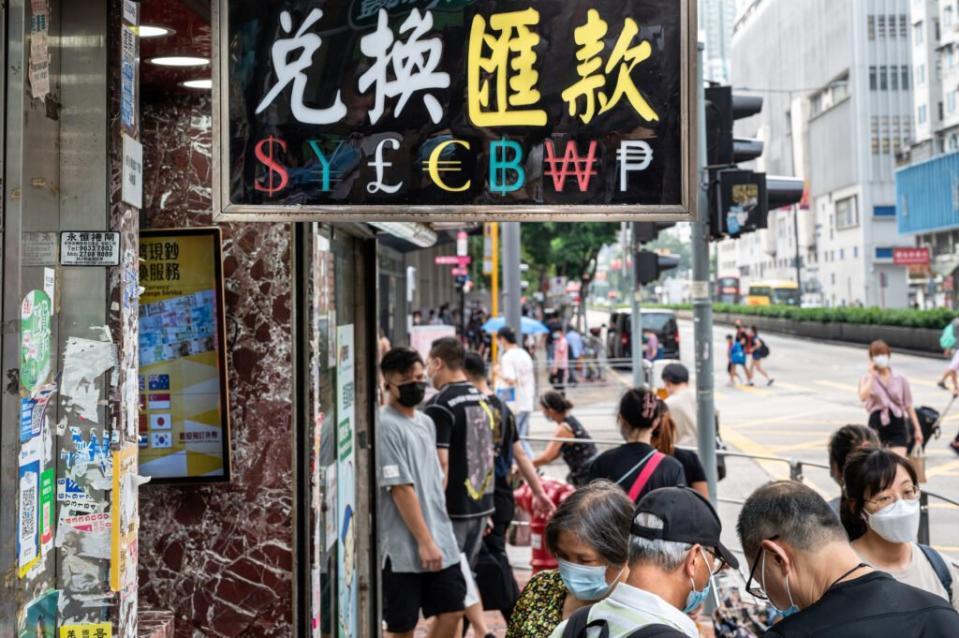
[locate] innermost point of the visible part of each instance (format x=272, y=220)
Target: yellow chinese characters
x=592, y=83
x=509, y=62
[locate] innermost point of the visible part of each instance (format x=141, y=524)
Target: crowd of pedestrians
x=746, y=350
x=638, y=543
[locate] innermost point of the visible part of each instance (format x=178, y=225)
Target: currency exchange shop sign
x=437, y=110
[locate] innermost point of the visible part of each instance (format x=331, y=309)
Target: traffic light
x=739, y=199
x=650, y=265
x=647, y=232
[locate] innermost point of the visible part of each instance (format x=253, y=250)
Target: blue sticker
x=27, y=429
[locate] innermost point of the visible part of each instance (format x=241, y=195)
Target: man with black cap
x=674, y=551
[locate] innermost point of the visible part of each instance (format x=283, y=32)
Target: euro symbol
x=274, y=168
x=436, y=166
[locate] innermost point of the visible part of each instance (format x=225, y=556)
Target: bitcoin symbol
x=273, y=167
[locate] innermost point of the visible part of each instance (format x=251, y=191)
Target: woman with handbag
x=888, y=401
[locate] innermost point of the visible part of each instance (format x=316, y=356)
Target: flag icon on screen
x=159, y=402
x=159, y=382
x=161, y=440
x=160, y=422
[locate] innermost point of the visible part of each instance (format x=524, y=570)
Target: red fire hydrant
x=556, y=491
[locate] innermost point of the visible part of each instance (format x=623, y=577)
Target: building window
x=893, y=79
x=847, y=213
x=917, y=34
x=921, y=74
x=855, y=252
x=923, y=114
x=883, y=84
x=873, y=80
x=832, y=278
x=905, y=78
x=951, y=101
x=884, y=211
x=884, y=252
x=941, y=111
x=881, y=20
x=871, y=27
x=904, y=26
x=842, y=254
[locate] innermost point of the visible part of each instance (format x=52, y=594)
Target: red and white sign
x=452, y=260
x=457, y=272
x=910, y=256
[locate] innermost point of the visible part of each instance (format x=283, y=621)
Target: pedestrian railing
x=796, y=473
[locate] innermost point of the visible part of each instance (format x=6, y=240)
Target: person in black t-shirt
x=465, y=435
x=664, y=440
x=637, y=466
x=802, y=563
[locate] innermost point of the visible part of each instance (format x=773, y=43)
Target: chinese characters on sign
x=87, y=248
x=910, y=256
x=454, y=104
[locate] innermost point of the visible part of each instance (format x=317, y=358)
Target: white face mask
x=897, y=523
x=881, y=360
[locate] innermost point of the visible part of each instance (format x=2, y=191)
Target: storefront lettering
x=160, y=261
x=507, y=165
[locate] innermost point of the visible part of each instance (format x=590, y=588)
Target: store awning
x=419, y=235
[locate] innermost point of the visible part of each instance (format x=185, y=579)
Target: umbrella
x=528, y=325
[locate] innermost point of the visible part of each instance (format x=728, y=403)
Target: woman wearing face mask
x=881, y=514
x=888, y=400
x=589, y=536
x=636, y=466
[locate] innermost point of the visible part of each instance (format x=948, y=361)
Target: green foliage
x=564, y=249
x=931, y=319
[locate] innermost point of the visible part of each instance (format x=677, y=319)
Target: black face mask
x=412, y=393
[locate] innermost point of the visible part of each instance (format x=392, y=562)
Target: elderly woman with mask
x=888, y=400
x=589, y=536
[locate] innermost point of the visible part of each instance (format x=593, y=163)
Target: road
x=815, y=392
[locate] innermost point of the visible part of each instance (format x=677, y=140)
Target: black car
x=661, y=322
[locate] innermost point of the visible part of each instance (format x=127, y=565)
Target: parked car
x=662, y=322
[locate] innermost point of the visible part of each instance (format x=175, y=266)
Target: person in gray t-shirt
x=419, y=553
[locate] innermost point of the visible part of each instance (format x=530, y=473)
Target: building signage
x=910, y=256
x=448, y=109
x=89, y=248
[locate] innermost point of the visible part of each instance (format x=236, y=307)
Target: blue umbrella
x=528, y=325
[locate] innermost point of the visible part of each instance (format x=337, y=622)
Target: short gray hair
x=599, y=515
x=789, y=511
x=669, y=555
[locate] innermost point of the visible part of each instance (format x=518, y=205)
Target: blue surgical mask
x=585, y=582
x=697, y=598
x=789, y=611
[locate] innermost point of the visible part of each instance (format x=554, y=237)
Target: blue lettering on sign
x=499, y=165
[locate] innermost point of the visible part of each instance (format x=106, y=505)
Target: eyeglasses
x=910, y=493
x=718, y=562
x=756, y=589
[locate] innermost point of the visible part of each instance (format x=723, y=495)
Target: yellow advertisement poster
x=124, y=519
x=87, y=630
x=184, y=431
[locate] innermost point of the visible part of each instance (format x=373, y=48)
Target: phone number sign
x=445, y=109
x=89, y=248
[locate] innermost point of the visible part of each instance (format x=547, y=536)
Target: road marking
x=807, y=445
x=944, y=469
x=752, y=389
x=791, y=386
x=786, y=418
x=839, y=386
x=776, y=469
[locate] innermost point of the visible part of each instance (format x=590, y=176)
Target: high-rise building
x=928, y=188
x=836, y=82
x=716, y=18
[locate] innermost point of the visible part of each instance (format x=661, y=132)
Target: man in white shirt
x=674, y=551
x=681, y=403
x=516, y=382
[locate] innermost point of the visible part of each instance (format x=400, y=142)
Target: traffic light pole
x=703, y=307
x=513, y=305
x=636, y=319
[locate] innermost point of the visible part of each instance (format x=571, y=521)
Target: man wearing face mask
x=421, y=569
x=674, y=551
x=802, y=563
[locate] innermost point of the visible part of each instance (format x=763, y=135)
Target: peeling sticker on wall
x=87, y=630
x=36, y=311
x=28, y=511
x=39, y=619
x=85, y=361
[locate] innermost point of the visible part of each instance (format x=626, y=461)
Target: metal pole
x=798, y=262
x=636, y=319
x=494, y=284
x=511, y=277
x=703, y=307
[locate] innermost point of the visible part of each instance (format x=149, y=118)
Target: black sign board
x=452, y=109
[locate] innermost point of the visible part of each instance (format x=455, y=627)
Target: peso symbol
x=277, y=177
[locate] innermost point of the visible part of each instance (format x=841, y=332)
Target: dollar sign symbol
x=273, y=167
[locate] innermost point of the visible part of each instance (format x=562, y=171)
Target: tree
x=567, y=250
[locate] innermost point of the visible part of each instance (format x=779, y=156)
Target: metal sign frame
x=224, y=210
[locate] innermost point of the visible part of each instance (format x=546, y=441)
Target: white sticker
x=536, y=541
x=391, y=471
x=132, y=172
x=50, y=283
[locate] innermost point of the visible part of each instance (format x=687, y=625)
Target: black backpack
x=578, y=625
x=940, y=567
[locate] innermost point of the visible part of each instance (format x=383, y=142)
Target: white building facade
x=716, y=19
x=836, y=81
x=935, y=62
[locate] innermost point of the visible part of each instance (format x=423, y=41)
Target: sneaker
x=751, y=384
x=955, y=446
x=770, y=382
x=942, y=384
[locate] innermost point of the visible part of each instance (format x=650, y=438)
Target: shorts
x=895, y=434
x=469, y=536
x=954, y=363
x=406, y=593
